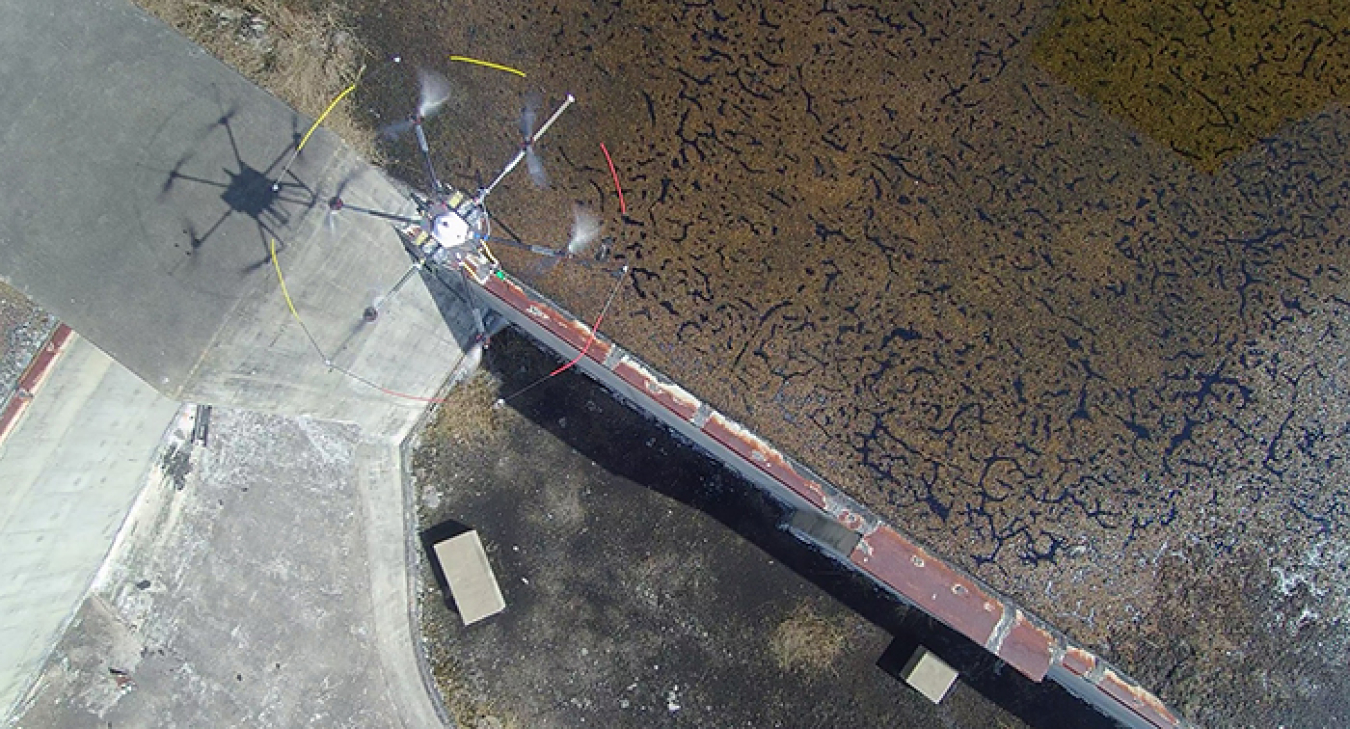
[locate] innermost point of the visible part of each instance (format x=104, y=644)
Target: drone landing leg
x=426, y=158
x=372, y=312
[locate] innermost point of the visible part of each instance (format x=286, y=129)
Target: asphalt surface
x=99, y=103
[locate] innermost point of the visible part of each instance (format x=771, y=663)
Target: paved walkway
x=138, y=209
x=70, y=469
x=265, y=587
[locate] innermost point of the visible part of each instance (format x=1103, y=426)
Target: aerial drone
x=453, y=228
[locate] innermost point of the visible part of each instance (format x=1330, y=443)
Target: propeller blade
x=175, y=174
x=396, y=129
x=585, y=231
x=527, y=119
x=331, y=224
x=536, y=168
x=529, y=114
x=434, y=92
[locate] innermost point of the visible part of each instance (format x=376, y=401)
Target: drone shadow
x=271, y=196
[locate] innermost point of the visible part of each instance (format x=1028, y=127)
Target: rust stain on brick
x=33, y=376
x=672, y=397
x=1027, y=647
x=929, y=583
x=557, y=321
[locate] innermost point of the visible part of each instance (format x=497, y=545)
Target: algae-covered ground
x=1206, y=78
x=1105, y=380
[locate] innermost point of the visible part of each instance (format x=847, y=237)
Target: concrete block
x=929, y=675
x=472, y=584
x=825, y=530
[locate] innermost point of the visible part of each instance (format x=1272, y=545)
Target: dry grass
x=304, y=57
x=808, y=642
x=467, y=703
x=468, y=416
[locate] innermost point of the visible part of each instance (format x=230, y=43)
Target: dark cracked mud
x=1104, y=381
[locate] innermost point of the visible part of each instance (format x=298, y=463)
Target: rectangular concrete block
x=929, y=675
x=825, y=530
x=465, y=565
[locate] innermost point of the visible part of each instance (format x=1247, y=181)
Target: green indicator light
x=501, y=275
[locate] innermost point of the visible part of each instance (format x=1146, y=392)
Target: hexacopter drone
x=453, y=228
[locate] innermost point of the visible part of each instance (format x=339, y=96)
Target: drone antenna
x=524, y=149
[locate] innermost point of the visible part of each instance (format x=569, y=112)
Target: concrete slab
x=929, y=675
x=70, y=471
x=140, y=210
x=244, y=597
x=474, y=587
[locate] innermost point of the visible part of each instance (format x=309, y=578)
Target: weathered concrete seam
x=393, y=581
x=413, y=562
x=1005, y=623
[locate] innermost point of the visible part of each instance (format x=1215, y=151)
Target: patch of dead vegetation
x=305, y=55
x=468, y=416
x=807, y=642
x=463, y=693
x=23, y=329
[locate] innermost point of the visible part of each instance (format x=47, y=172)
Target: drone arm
x=566, y=103
x=538, y=250
x=482, y=194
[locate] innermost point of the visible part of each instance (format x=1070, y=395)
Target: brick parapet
x=32, y=378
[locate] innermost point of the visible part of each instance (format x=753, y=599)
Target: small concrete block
x=825, y=530
x=465, y=565
x=929, y=675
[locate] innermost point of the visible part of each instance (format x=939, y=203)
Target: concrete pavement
x=70, y=469
x=248, y=596
x=138, y=188
x=139, y=209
